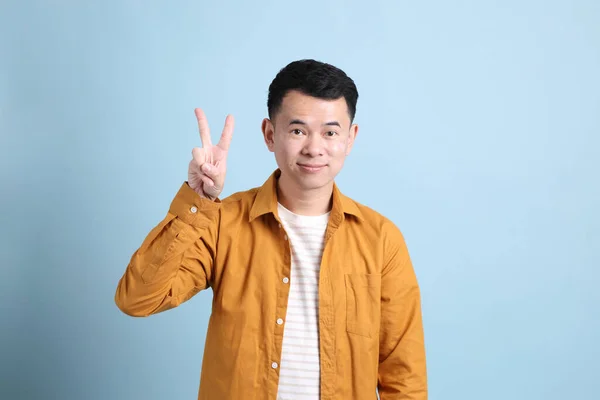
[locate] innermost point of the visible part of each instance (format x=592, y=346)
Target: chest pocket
x=363, y=298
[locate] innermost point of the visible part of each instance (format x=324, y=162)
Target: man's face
x=311, y=138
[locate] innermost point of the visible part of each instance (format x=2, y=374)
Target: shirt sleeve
x=402, y=366
x=175, y=260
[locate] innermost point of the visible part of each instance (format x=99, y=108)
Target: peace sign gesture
x=206, y=172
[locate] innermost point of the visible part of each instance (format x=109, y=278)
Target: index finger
x=203, y=127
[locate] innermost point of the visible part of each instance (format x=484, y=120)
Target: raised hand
x=206, y=172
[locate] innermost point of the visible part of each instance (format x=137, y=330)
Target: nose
x=313, y=146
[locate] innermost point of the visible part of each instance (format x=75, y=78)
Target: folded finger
x=207, y=181
x=200, y=156
x=210, y=171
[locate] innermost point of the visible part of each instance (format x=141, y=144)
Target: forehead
x=312, y=109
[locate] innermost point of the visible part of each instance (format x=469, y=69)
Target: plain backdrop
x=479, y=137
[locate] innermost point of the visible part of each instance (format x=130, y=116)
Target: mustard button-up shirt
x=370, y=325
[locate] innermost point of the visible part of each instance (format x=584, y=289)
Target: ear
x=352, y=136
x=268, y=131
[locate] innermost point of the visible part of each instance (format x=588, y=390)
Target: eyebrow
x=300, y=122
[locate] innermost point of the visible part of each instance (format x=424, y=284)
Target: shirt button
x=193, y=209
x=274, y=365
x=286, y=279
x=279, y=321
x=285, y=237
x=280, y=225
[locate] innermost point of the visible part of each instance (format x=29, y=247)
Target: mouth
x=312, y=167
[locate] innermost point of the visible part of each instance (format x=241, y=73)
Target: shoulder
x=237, y=206
x=245, y=196
x=373, y=218
x=374, y=222
x=390, y=238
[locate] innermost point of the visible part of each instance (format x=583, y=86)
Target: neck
x=304, y=202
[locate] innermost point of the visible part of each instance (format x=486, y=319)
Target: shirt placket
x=327, y=345
x=283, y=289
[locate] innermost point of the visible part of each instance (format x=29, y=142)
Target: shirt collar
x=266, y=201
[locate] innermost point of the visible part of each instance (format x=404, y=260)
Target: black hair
x=313, y=78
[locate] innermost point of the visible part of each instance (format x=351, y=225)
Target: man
x=314, y=294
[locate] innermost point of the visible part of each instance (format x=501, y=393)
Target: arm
x=402, y=367
x=175, y=260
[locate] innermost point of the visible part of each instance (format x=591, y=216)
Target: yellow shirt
x=370, y=325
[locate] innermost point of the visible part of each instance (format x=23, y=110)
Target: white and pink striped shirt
x=299, y=376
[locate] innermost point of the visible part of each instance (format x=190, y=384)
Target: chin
x=313, y=182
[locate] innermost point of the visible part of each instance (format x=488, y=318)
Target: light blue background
x=479, y=136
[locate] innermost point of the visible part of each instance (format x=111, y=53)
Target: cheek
x=285, y=150
x=338, y=149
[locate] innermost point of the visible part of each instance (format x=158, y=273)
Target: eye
x=297, y=132
x=331, y=133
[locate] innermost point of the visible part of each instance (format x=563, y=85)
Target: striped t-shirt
x=299, y=374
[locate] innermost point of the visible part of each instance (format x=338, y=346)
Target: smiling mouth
x=312, y=167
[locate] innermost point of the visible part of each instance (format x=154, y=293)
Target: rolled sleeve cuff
x=192, y=209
